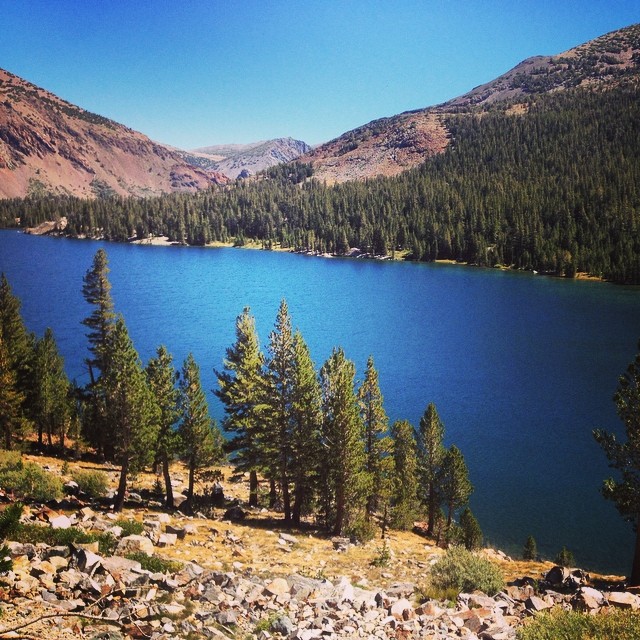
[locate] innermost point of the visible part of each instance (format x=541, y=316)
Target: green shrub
x=10, y=521
x=93, y=483
x=10, y=460
x=572, y=625
x=129, y=527
x=155, y=564
x=361, y=530
x=6, y=563
x=30, y=481
x=465, y=571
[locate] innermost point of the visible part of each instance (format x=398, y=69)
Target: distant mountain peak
x=239, y=160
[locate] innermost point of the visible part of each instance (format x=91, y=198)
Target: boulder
x=277, y=587
x=234, y=514
x=134, y=544
x=557, y=576
x=60, y=522
x=622, y=600
x=402, y=609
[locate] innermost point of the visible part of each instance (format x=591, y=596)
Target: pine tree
x=431, y=454
x=346, y=482
x=279, y=393
x=530, y=550
x=52, y=390
x=101, y=321
x=201, y=440
x=97, y=292
x=162, y=378
x=242, y=392
x=405, y=490
x=454, y=482
x=306, y=425
x=20, y=347
x=470, y=530
x=12, y=421
x=131, y=410
x=376, y=423
x=625, y=456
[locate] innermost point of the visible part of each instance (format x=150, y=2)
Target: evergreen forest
x=551, y=184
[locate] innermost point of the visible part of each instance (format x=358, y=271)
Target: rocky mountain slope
x=48, y=145
x=242, y=160
x=391, y=145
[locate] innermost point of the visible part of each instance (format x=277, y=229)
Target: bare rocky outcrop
x=48, y=145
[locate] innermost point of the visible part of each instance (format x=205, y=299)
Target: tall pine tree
x=306, y=425
x=431, y=452
x=100, y=323
x=376, y=441
x=346, y=482
x=12, y=421
x=131, y=410
x=278, y=440
x=405, y=486
x=162, y=379
x=242, y=393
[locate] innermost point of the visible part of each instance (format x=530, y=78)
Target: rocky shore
x=73, y=590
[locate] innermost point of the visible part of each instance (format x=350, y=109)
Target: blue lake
x=521, y=367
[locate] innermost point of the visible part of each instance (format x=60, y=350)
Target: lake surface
x=520, y=367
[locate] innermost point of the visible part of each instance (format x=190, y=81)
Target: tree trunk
x=297, y=505
x=192, y=472
x=286, y=499
x=167, y=482
x=273, y=493
x=40, y=432
x=634, y=580
x=340, y=506
x=431, y=524
x=122, y=487
x=253, y=488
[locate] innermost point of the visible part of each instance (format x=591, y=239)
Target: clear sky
x=198, y=72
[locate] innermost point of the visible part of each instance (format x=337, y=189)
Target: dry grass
x=254, y=545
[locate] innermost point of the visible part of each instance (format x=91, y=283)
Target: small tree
x=625, y=456
x=470, y=530
x=201, y=440
x=454, y=483
x=565, y=558
x=530, y=550
x=12, y=421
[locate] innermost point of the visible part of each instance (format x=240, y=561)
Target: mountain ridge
x=50, y=146
x=388, y=146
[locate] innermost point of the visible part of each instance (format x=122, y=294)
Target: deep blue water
x=521, y=367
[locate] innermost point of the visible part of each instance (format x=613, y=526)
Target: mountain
x=241, y=160
x=389, y=146
x=48, y=145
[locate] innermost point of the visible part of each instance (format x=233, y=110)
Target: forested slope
x=551, y=184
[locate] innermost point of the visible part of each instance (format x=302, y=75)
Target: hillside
x=49, y=146
x=389, y=146
x=242, y=160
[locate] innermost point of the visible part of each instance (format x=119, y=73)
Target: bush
x=155, y=564
x=30, y=481
x=93, y=483
x=129, y=527
x=10, y=521
x=465, y=571
x=572, y=625
x=361, y=530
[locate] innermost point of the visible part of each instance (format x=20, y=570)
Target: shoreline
x=51, y=229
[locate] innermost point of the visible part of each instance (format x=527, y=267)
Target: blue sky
x=198, y=72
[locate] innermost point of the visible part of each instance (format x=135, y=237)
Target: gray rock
x=134, y=544
x=283, y=625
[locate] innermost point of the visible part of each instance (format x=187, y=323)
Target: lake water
x=521, y=367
